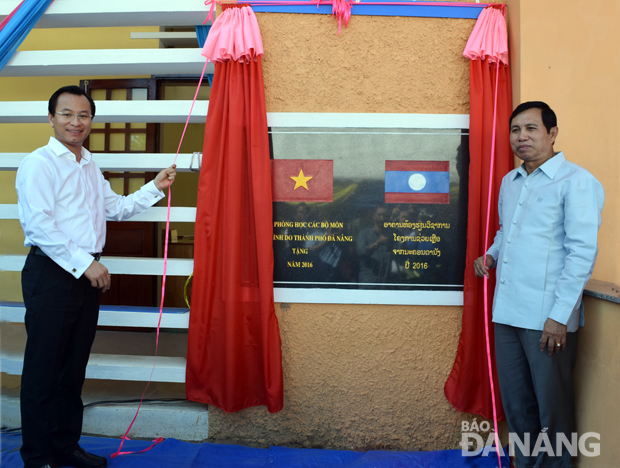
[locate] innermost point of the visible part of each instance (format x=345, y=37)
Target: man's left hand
x=165, y=178
x=553, y=337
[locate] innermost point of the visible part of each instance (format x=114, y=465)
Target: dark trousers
x=61, y=321
x=537, y=392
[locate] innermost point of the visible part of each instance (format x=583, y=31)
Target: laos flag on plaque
x=417, y=182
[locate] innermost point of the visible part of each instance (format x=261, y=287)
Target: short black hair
x=548, y=116
x=51, y=107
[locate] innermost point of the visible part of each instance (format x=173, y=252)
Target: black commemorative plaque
x=398, y=216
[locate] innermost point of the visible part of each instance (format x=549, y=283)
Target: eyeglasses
x=81, y=117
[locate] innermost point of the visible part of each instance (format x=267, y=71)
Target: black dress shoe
x=50, y=465
x=81, y=459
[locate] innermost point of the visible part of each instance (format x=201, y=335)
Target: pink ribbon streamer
x=155, y=442
x=163, y=286
x=486, y=280
x=210, y=16
x=498, y=61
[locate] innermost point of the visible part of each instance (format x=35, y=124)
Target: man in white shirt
x=63, y=204
x=550, y=212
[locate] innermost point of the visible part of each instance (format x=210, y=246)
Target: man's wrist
x=559, y=320
x=79, y=263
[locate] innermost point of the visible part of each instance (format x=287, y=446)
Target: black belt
x=37, y=251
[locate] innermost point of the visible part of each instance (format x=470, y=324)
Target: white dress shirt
x=546, y=246
x=63, y=205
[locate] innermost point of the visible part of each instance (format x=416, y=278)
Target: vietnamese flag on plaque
x=302, y=180
x=417, y=182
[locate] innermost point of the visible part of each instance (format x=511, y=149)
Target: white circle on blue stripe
x=417, y=182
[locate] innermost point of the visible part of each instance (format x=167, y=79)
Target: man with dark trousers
x=63, y=203
x=545, y=249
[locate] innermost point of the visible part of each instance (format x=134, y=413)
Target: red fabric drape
x=468, y=387
x=234, y=359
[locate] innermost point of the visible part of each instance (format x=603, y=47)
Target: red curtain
x=468, y=387
x=234, y=359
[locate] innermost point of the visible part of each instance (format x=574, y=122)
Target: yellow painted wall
x=23, y=138
x=566, y=54
x=597, y=380
x=88, y=38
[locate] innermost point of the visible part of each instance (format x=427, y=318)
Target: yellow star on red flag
x=301, y=180
x=322, y=185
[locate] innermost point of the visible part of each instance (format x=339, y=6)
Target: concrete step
x=182, y=420
x=115, y=355
x=114, y=367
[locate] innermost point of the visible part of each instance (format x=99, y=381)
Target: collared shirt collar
x=59, y=149
x=550, y=167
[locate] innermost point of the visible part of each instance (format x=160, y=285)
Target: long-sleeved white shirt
x=63, y=205
x=546, y=246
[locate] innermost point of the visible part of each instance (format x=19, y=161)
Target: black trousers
x=61, y=321
x=537, y=394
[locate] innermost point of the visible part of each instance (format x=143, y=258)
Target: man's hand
x=553, y=337
x=480, y=268
x=99, y=276
x=165, y=178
